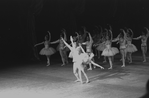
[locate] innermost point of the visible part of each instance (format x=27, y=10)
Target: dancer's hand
x=71, y=39
x=101, y=67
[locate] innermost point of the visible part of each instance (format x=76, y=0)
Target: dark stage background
x=25, y=22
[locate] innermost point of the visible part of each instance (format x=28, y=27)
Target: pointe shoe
x=77, y=80
x=110, y=68
x=87, y=81
x=89, y=69
x=123, y=66
x=62, y=64
x=48, y=64
x=144, y=61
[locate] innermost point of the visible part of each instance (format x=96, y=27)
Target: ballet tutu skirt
x=131, y=48
x=101, y=47
x=47, y=51
x=70, y=54
x=110, y=52
x=86, y=58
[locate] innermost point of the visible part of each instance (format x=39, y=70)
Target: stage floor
x=36, y=80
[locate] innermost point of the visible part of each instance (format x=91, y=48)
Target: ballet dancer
x=109, y=51
x=77, y=60
x=143, y=38
x=88, y=44
x=47, y=51
x=121, y=39
x=131, y=48
x=61, y=47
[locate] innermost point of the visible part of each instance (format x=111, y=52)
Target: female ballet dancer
x=122, y=41
x=61, y=48
x=97, y=41
x=88, y=44
x=131, y=48
x=47, y=51
x=77, y=60
x=109, y=51
x=143, y=38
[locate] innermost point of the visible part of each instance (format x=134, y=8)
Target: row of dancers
x=81, y=50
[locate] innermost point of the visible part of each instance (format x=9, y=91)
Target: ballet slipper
x=144, y=61
x=87, y=81
x=62, y=64
x=123, y=66
x=78, y=80
x=89, y=69
x=110, y=68
x=48, y=64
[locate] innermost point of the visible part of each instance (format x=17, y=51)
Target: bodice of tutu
x=144, y=40
x=61, y=44
x=129, y=42
x=108, y=44
x=46, y=43
x=122, y=42
x=88, y=46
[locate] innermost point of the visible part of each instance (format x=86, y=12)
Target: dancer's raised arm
x=90, y=37
x=49, y=36
x=131, y=32
x=65, y=36
x=147, y=35
x=66, y=43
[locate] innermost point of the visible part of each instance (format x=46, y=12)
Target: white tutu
x=86, y=58
x=110, y=52
x=101, y=47
x=131, y=48
x=70, y=54
x=47, y=51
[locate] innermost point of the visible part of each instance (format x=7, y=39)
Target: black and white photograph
x=74, y=49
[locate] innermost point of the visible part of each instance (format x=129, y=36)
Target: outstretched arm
x=38, y=44
x=66, y=44
x=54, y=42
x=137, y=38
